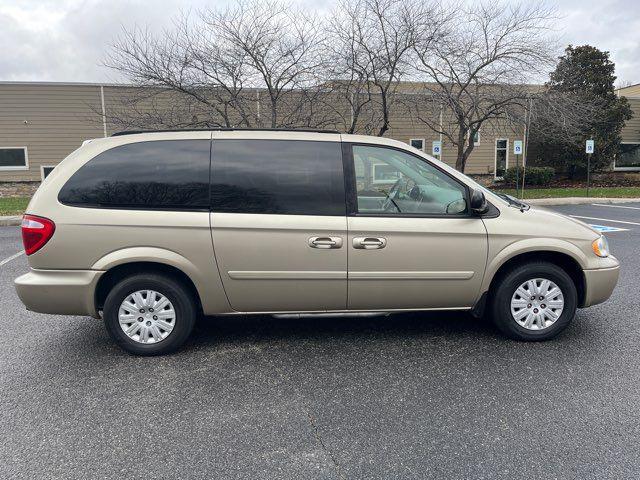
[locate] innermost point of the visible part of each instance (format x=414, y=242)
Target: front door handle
x=325, y=242
x=369, y=243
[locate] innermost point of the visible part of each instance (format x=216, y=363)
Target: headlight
x=600, y=247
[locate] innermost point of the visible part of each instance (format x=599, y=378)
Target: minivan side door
x=413, y=242
x=278, y=223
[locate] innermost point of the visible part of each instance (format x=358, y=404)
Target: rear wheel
x=534, y=301
x=149, y=314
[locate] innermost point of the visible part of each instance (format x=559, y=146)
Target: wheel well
x=566, y=262
x=117, y=273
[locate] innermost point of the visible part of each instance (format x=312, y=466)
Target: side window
x=389, y=181
x=284, y=177
x=161, y=174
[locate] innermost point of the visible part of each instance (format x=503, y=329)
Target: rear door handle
x=369, y=243
x=325, y=242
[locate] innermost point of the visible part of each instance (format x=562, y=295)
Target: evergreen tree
x=587, y=74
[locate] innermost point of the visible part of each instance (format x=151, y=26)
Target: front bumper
x=600, y=283
x=62, y=292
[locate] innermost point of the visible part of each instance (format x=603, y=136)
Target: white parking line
x=614, y=206
x=12, y=257
x=604, y=220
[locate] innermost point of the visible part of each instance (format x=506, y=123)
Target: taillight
x=36, y=231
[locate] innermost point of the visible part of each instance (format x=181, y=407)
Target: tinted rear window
x=163, y=174
x=277, y=177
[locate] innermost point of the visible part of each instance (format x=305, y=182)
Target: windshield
x=509, y=199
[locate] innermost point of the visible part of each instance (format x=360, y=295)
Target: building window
x=629, y=157
x=13, y=158
x=385, y=173
x=476, y=138
x=45, y=170
x=502, y=157
x=417, y=143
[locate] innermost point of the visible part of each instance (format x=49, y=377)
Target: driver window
x=390, y=181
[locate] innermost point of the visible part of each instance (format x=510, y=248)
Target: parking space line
x=12, y=257
x=614, y=206
x=605, y=220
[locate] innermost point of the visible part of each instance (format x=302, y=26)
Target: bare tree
x=350, y=71
x=560, y=116
x=283, y=49
x=371, y=44
x=188, y=62
x=153, y=108
x=232, y=65
x=269, y=64
x=478, y=70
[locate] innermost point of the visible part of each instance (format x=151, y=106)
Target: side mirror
x=478, y=202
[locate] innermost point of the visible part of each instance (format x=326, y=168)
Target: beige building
x=629, y=159
x=41, y=123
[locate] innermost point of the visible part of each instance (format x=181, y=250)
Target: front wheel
x=534, y=301
x=149, y=314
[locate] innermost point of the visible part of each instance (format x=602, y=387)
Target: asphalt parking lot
x=403, y=396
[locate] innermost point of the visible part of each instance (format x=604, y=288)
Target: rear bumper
x=600, y=284
x=62, y=292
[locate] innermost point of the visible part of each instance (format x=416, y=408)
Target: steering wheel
x=389, y=205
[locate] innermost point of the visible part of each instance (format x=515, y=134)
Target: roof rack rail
x=223, y=129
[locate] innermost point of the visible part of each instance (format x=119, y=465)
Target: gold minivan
x=149, y=230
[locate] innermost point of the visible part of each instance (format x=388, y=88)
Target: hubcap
x=537, y=304
x=147, y=316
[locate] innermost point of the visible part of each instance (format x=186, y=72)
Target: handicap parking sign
x=606, y=228
x=517, y=147
x=436, y=148
x=589, y=146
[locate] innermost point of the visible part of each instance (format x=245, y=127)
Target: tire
x=537, y=313
x=178, y=312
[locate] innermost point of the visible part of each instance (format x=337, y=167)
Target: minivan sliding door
x=279, y=223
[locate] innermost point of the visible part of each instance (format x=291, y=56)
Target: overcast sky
x=66, y=40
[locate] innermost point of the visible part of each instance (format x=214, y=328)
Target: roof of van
x=224, y=129
x=255, y=133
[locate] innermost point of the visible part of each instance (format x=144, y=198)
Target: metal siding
x=60, y=118
x=631, y=130
x=631, y=91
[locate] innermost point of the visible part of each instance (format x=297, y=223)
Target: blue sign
x=605, y=228
x=436, y=148
x=590, y=146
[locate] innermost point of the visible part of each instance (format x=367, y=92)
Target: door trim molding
x=410, y=275
x=336, y=275
x=286, y=275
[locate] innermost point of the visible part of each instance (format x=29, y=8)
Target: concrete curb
x=578, y=200
x=11, y=221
